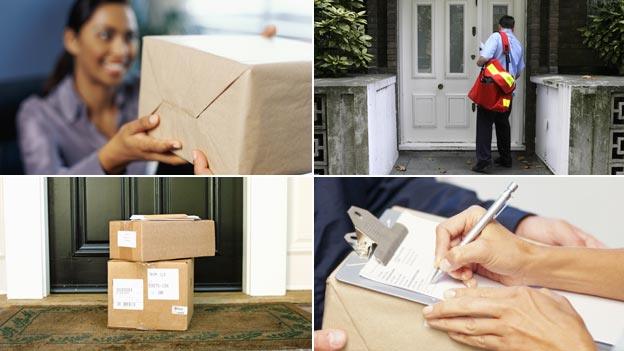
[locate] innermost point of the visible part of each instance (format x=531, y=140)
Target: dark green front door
x=80, y=209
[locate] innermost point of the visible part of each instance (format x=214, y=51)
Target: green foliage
x=340, y=40
x=605, y=32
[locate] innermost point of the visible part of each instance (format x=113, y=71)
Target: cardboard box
x=145, y=241
x=246, y=101
x=374, y=321
x=150, y=296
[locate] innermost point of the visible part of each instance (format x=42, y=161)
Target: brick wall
x=533, y=58
x=382, y=26
x=372, y=17
x=574, y=57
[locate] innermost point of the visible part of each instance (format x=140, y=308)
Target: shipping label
x=180, y=310
x=163, y=284
x=126, y=238
x=128, y=294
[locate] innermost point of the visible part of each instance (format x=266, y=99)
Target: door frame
x=450, y=146
x=265, y=236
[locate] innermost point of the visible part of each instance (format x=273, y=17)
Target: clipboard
x=349, y=273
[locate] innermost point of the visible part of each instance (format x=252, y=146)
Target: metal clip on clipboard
x=372, y=237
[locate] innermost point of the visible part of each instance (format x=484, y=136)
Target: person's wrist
x=108, y=161
x=534, y=259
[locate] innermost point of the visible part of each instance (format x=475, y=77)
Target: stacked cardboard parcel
x=150, y=274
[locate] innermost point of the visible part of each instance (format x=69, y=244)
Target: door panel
x=423, y=111
x=438, y=49
x=458, y=111
x=80, y=209
x=442, y=70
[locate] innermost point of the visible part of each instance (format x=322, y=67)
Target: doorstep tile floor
x=461, y=162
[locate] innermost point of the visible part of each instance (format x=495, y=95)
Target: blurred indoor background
x=31, y=41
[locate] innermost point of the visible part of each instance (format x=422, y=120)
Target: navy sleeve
x=334, y=196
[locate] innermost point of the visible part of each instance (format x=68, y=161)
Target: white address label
x=181, y=310
x=128, y=294
x=163, y=284
x=126, y=238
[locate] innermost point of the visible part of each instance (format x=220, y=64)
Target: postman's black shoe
x=482, y=167
x=502, y=162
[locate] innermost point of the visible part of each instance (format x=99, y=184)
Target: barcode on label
x=127, y=304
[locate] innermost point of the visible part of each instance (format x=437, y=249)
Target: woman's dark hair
x=80, y=13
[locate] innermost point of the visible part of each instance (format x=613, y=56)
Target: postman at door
x=245, y=101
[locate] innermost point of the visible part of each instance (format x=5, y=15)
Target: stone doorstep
x=292, y=296
x=437, y=163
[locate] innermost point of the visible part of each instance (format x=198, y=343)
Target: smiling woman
x=101, y=30
x=86, y=122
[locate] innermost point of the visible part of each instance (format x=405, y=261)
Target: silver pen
x=497, y=207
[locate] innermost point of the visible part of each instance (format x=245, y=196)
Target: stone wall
x=355, y=129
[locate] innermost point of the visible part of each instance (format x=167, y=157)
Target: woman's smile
x=116, y=69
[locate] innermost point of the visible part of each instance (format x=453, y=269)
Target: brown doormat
x=275, y=326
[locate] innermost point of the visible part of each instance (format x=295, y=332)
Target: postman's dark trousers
x=485, y=120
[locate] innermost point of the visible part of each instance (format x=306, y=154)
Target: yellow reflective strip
x=506, y=102
x=508, y=78
x=493, y=70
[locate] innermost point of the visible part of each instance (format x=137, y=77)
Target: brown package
x=145, y=241
x=150, y=296
x=374, y=321
x=245, y=101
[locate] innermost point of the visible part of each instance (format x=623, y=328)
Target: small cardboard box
x=154, y=240
x=374, y=321
x=150, y=296
x=246, y=101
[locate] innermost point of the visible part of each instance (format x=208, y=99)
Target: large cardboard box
x=144, y=241
x=150, y=296
x=246, y=101
x=374, y=321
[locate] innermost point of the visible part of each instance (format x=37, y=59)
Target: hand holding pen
x=487, y=247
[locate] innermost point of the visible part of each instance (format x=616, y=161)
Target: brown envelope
x=374, y=321
x=246, y=101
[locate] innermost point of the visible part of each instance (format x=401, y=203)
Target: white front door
x=438, y=47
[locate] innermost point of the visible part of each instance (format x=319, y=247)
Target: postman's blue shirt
x=493, y=48
x=334, y=196
x=57, y=137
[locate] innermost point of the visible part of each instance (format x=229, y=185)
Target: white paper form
x=411, y=268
